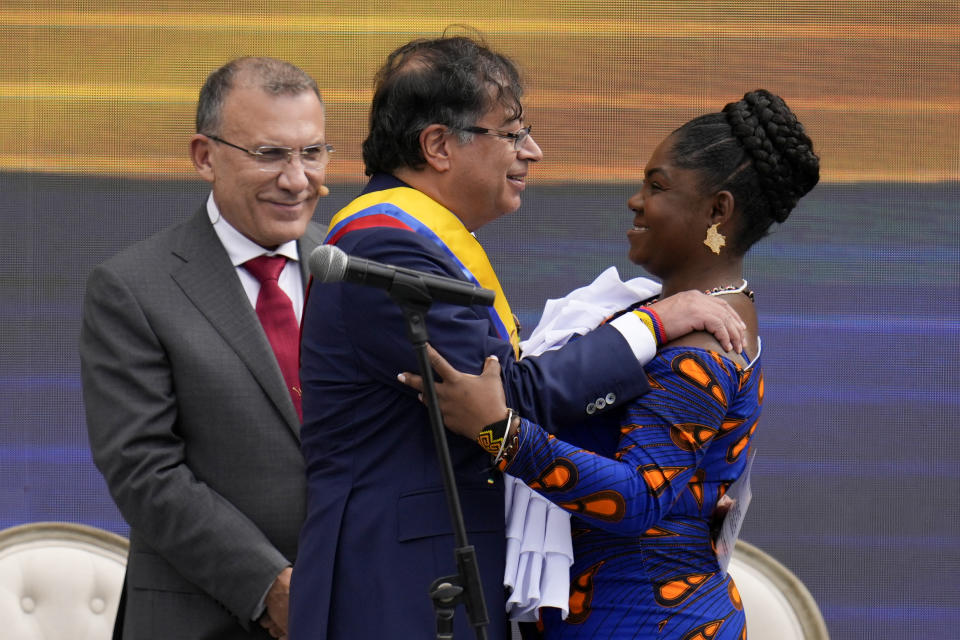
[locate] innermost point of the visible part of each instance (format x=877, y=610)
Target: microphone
x=330, y=264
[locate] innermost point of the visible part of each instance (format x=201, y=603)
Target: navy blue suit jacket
x=378, y=530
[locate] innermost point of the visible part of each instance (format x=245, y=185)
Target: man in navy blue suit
x=447, y=152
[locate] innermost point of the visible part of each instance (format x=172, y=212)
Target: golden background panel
x=111, y=88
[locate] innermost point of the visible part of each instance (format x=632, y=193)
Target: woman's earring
x=715, y=239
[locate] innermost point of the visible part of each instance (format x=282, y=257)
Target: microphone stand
x=465, y=587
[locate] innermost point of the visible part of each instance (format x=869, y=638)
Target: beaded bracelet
x=488, y=439
x=652, y=321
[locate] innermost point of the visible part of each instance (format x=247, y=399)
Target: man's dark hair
x=757, y=150
x=273, y=76
x=451, y=81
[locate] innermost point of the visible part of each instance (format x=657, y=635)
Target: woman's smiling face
x=671, y=215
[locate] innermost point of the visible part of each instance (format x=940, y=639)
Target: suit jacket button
x=591, y=409
x=611, y=398
x=601, y=403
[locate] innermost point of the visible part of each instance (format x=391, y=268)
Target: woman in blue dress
x=644, y=493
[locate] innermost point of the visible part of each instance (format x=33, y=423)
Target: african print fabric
x=643, y=499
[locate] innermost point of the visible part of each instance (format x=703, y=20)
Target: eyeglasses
x=519, y=137
x=312, y=158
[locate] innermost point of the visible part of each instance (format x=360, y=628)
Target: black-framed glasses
x=313, y=158
x=519, y=137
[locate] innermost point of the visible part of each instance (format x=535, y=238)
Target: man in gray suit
x=192, y=415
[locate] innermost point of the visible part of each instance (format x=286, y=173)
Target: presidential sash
x=409, y=209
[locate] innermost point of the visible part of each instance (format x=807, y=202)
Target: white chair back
x=776, y=603
x=60, y=581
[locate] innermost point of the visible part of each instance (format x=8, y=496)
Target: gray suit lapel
x=211, y=283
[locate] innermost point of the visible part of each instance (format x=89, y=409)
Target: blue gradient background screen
x=857, y=474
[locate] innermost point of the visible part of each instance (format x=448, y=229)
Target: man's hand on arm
x=274, y=619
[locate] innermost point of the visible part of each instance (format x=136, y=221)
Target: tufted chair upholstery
x=60, y=581
x=777, y=605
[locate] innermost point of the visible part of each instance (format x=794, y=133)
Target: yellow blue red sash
x=411, y=210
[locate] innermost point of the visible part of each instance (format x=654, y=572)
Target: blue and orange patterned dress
x=643, y=496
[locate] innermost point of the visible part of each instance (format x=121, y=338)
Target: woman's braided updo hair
x=756, y=149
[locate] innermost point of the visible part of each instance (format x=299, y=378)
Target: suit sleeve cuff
x=638, y=336
x=261, y=607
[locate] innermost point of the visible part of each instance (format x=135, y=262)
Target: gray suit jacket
x=191, y=424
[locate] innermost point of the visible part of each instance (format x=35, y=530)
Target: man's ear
x=201, y=156
x=435, y=145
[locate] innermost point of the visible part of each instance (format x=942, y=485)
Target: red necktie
x=275, y=311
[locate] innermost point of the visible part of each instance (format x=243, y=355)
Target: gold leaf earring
x=715, y=239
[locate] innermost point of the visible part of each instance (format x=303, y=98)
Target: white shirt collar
x=239, y=247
